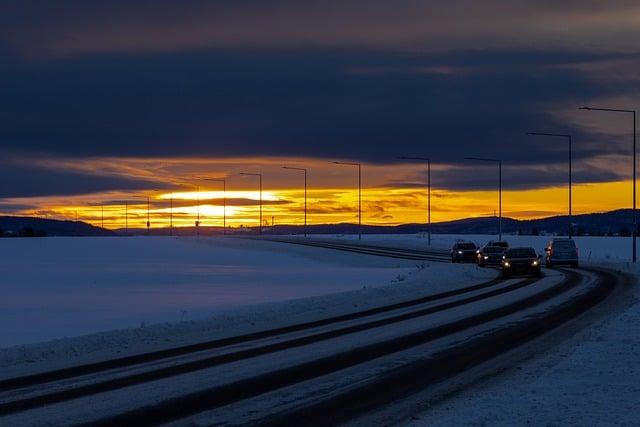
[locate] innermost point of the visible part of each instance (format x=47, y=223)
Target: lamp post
x=305, y=194
x=568, y=137
x=428, y=160
x=499, y=162
x=148, y=216
x=224, y=202
x=359, y=165
x=259, y=175
x=198, y=211
x=635, y=217
x=171, y=214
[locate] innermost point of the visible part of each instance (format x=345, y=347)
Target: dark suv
x=561, y=251
x=520, y=261
x=464, y=252
x=490, y=255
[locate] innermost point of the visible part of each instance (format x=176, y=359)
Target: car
x=463, y=252
x=490, y=255
x=561, y=251
x=499, y=243
x=520, y=261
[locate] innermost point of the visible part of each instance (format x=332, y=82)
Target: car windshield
x=466, y=246
x=521, y=253
x=493, y=250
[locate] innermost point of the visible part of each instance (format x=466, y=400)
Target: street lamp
x=568, y=137
x=499, y=162
x=359, y=165
x=428, y=160
x=148, y=216
x=259, y=175
x=224, y=201
x=171, y=214
x=198, y=211
x=635, y=217
x=305, y=194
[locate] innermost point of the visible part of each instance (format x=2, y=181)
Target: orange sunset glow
x=381, y=205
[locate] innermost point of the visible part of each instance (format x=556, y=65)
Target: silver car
x=561, y=252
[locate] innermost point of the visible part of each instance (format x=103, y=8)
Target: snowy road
x=306, y=372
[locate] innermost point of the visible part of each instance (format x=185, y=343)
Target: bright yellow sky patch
x=383, y=206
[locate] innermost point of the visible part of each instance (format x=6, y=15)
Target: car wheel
x=505, y=275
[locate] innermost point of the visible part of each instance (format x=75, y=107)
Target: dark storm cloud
x=180, y=203
x=515, y=177
x=15, y=207
x=27, y=181
x=288, y=103
x=362, y=80
x=76, y=26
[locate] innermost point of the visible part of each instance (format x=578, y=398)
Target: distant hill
x=20, y=226
x=618, y=223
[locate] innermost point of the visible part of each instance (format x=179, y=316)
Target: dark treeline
x=614, y=223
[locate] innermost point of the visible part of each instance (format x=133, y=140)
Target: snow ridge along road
x=235, y=376
x=438, y=255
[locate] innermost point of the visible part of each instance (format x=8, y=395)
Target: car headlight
x=486, y=257
x=535, y=263
x=506, y=264
x=459, y=252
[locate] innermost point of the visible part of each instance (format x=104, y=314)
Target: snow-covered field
x=157, y=291
x=55, y=287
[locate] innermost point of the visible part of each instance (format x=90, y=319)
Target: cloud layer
x=349, y=79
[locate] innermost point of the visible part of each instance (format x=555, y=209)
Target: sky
x=107, y=103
